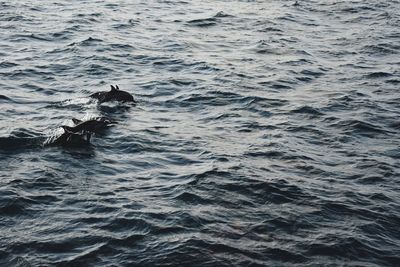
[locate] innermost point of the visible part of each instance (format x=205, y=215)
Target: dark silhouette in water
x=3, y=97
x=94, y=125
x=113, y=95
x=80, y=134
x=69, y=139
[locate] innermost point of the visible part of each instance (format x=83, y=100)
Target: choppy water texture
x=266, y=133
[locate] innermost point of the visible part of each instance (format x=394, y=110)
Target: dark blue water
x=266, y=133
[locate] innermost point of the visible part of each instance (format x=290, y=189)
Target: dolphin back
x=115, y=94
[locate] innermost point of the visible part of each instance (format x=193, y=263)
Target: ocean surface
x=266, y=133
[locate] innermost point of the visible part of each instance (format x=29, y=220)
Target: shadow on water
x=17, y=145
x=20, y=140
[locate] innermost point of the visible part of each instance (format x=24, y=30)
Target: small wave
x=307, y=110
x=377, y=75
x=29, y=72
x=124, y=224
x=182, y=82
x=167, y=62
x=127, y=25
x=215, y=98
x=313, y=73
x=84, y=21
x=122, y=47
x=97, y=70
x=11, y=203
x=15, y=261
x=357, y=9
x=90, y=253
x=3, y=97
x=270, y=29
x=253, y=126
x=263, y=101
x=359, y=127
x=380, y=49
x=339, y=245
x=266, y=154
x=30, y=37
x=87, y=42
x=208, y=22
x=269, y=47
x=11, y=18
x=8, y=64
x=61, y=35
x=305, y=21
x=222, y=14
x=191, y=198
x=393, y=81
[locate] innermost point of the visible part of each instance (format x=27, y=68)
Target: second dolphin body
x=94, y=125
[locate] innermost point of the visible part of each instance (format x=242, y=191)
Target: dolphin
x=94, y=125
x=69, y=139
x=113, y=95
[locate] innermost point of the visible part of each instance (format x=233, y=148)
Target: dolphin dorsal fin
x=116, y=86
x=113, y=88
x=76, y=121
